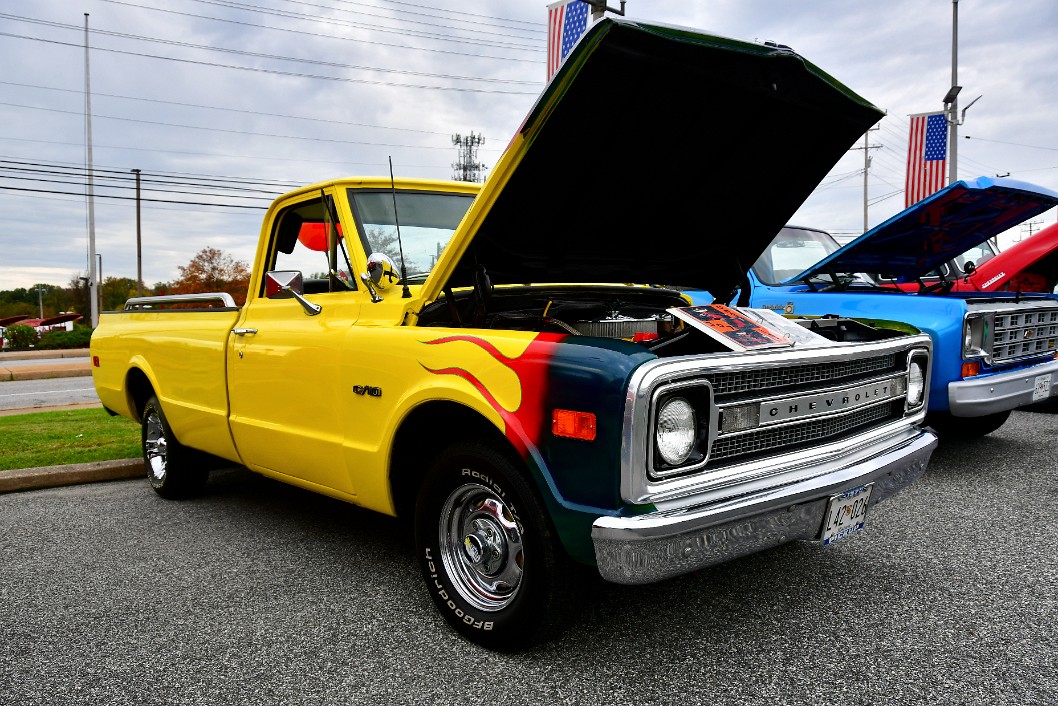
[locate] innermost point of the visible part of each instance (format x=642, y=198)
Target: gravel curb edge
x=55, y=476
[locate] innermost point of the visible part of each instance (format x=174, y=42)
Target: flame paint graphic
x=522, y=409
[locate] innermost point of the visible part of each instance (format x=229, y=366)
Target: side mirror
x=288, y=284
x=381, y=269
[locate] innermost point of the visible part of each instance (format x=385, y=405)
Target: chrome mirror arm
x=310, y=308
x=375, y=296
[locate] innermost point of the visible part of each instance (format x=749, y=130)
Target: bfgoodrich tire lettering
x=487, y=550
x=173, y=470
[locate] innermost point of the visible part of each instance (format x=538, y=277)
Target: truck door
x=284, y=363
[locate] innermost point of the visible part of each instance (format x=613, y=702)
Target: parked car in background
x=1029, y=265
x=993, y=352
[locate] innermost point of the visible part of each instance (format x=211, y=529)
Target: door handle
x=244, y=331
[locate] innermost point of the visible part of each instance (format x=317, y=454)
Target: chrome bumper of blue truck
x=989, y=394
x=677, y=540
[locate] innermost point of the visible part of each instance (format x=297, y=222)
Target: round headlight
x=916, y=382
x=676, y=431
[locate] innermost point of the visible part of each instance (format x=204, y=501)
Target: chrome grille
x=728, y=447
x=795, y=375
x=1017, y=334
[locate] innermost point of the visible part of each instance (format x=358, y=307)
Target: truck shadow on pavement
x=347, y=548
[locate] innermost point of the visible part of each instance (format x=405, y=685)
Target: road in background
x=260, y=592
x=15, y=394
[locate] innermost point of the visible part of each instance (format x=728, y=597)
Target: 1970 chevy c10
x=521, y=425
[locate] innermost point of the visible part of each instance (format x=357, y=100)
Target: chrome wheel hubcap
x=481, y=547
x=154, y=448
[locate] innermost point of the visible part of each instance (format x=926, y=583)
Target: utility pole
x=468, y=168
x=598, y=9
x=40, y=300
x=90, y=186
x=139, y=247
x=951, y=99
x=866, y=165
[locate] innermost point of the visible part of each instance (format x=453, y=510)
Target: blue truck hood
x=923, y=237
x=633, y=164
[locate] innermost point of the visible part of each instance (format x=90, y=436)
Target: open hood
x=923, y=237
x=1025, y=255
x=656, y=155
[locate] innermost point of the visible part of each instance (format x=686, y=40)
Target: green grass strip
x=59, y=438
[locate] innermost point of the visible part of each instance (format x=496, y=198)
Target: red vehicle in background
x=1030, y=265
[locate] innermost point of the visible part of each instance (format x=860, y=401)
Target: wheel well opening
x=139, y=389
x=424, y=433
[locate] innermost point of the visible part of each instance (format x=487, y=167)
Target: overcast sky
x=251, y=98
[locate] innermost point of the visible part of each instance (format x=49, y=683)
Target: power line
x=256, y=113
x=461, y=11
x=274, y=72
x=43, y=180
x=1013, y=144
x=475, y=22
x=316, y=19
x=299, y=160
x=260, y=55
x=131, y=198
x=312, y=138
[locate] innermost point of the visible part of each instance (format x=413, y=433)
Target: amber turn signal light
x=573, y=425
x=971, y=369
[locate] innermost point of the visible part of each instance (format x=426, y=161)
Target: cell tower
x=468, y=168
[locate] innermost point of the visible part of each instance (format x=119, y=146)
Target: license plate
x=846, y=513
x=1043, y=388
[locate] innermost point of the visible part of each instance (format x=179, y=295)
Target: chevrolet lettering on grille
x=839, y=400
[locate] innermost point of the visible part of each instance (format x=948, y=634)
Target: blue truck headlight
x=976, y=336
x=677, y=431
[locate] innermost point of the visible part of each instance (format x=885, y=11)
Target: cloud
x=189, y=119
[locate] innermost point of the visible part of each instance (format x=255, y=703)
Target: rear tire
x=173, y=470
x=489, y=556
x=950, y=427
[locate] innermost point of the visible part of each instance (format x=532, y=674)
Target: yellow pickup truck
x=517, y=372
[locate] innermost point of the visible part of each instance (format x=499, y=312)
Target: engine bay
x=637, y=314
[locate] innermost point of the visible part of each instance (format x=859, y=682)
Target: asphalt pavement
x=262, y=593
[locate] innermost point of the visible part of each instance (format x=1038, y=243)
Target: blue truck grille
x=1024, y=333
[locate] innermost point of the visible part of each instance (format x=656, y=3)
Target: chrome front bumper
x=673, y=541
x=976, y=397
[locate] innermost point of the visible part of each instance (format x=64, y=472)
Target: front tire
x=487, y=551
x=172, y=468
x=949, y=427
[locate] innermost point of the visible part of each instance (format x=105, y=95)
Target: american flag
x=566, y=22
x=927, y=152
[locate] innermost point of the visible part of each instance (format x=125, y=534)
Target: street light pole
x=90, y=188
x=40, y=300
x=953, y=119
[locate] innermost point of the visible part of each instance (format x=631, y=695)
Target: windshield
x=427, y=221
x=978, y=255
x=792, y=252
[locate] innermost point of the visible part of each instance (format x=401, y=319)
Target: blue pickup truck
x=993, y=352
